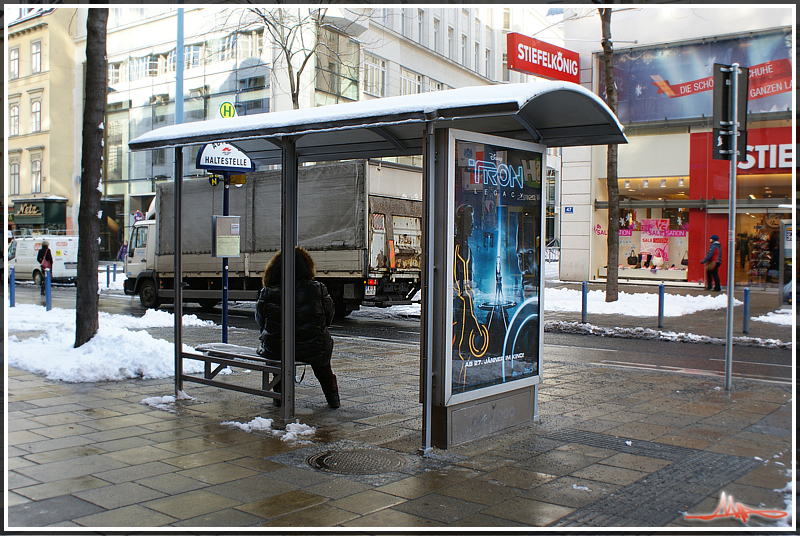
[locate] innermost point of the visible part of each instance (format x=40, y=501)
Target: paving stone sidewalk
x=612, y=448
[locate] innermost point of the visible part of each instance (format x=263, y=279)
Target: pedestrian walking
x=45, y=260
x=712, y=260
x=314, y=311
x=123, y=251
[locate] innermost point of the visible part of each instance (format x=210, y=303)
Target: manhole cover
x=357, y=462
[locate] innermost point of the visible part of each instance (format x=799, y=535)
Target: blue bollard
x=48, y=299
x=661, y=305
x=11, y=286
x=108, y=275
x=584, y=300
x=114, y=279
x=746, y=311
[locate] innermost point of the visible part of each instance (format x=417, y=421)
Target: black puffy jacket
x=314, y=311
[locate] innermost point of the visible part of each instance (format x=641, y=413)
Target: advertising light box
x=495, y=262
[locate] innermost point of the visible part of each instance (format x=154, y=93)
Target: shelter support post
x=426, y=376
x=178, y=273
x=289, y=175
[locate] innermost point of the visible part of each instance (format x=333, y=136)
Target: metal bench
x=231, y=355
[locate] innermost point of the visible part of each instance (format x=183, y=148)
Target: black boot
x=333, y=399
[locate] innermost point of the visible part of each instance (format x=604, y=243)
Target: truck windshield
x=138, y=239
x=12, y=250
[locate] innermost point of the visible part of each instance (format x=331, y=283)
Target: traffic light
x=724, y=103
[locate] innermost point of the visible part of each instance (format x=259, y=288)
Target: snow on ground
x=565, y=300
x=120, y=350
x=294, y=433
x=781, y=316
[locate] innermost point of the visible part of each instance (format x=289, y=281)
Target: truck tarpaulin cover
x=335, y=190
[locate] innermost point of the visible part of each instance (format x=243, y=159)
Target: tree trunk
x=89, y=214
x=612, y=277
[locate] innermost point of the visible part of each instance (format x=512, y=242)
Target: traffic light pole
x=734, y=160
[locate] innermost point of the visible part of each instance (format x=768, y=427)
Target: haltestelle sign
x=531, y=56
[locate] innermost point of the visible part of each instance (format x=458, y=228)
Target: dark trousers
x=713, y=274
x=325, y=376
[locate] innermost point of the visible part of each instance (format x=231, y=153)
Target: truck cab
x=141, y=277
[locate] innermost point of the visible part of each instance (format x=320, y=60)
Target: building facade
x=231, y=57
x=673, y=194
x=43, y=102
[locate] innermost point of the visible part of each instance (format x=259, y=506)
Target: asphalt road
x=689, y=358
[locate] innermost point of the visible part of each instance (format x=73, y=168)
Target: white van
x=22, y=254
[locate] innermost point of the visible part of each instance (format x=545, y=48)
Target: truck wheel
x=37, y=277
x=148, y=294
x=207, y=304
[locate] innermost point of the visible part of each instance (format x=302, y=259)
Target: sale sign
x=654, y=240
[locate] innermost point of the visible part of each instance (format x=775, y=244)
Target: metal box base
x=464, y=422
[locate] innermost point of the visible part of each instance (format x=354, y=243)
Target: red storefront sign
x=769, y=151
x=531, y=56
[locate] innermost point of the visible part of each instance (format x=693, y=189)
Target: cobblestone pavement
x=612, y=448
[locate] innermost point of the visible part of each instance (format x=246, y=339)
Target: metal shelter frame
x=554, y=114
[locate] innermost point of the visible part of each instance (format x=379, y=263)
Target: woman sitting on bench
x=313, y=314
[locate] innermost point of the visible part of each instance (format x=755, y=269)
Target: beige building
x=42, y=140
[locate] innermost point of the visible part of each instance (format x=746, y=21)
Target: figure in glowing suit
x=470, y=337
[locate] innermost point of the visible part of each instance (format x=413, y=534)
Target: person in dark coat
x=712, y=261
x=45, y=260
x=314, y=311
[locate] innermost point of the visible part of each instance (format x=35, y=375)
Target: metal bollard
x=11, y=286
x=746, y=311
x=108, y=275
x=114, y=279
x=584, y=300
x=48, y=298
x=661, y=305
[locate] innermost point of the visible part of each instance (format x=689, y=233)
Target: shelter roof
x=556, y=114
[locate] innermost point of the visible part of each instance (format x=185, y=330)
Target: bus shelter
x=483, y=154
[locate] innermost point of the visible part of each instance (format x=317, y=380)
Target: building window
x=433, y=85
x=450, y=42
x=13, y=172
x=410, y=82
x=420, y=26
x=506, y=19
x=137, y=68
x=36, y=174
x=463, y=50
x=152, y=66
x=505, y=67
x=337, y=66
x=221, y=49
x=436, y=35
x=13, y=63
x=36, y=116
x=374, y=76
x=250, y=45
x=477, y=58
x=36, y=57
x=488, y=62
x=13, y=126
x=191, y=57
x=114, y=72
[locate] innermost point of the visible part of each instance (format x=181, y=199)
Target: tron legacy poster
x=496, y=263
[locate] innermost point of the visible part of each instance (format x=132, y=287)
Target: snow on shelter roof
x=555, y=114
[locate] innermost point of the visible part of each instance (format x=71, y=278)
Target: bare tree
x=612, y=241
x=297, y=33
x=89, y=213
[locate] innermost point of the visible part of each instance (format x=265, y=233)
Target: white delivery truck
x=22, y=253
x=361, y=221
